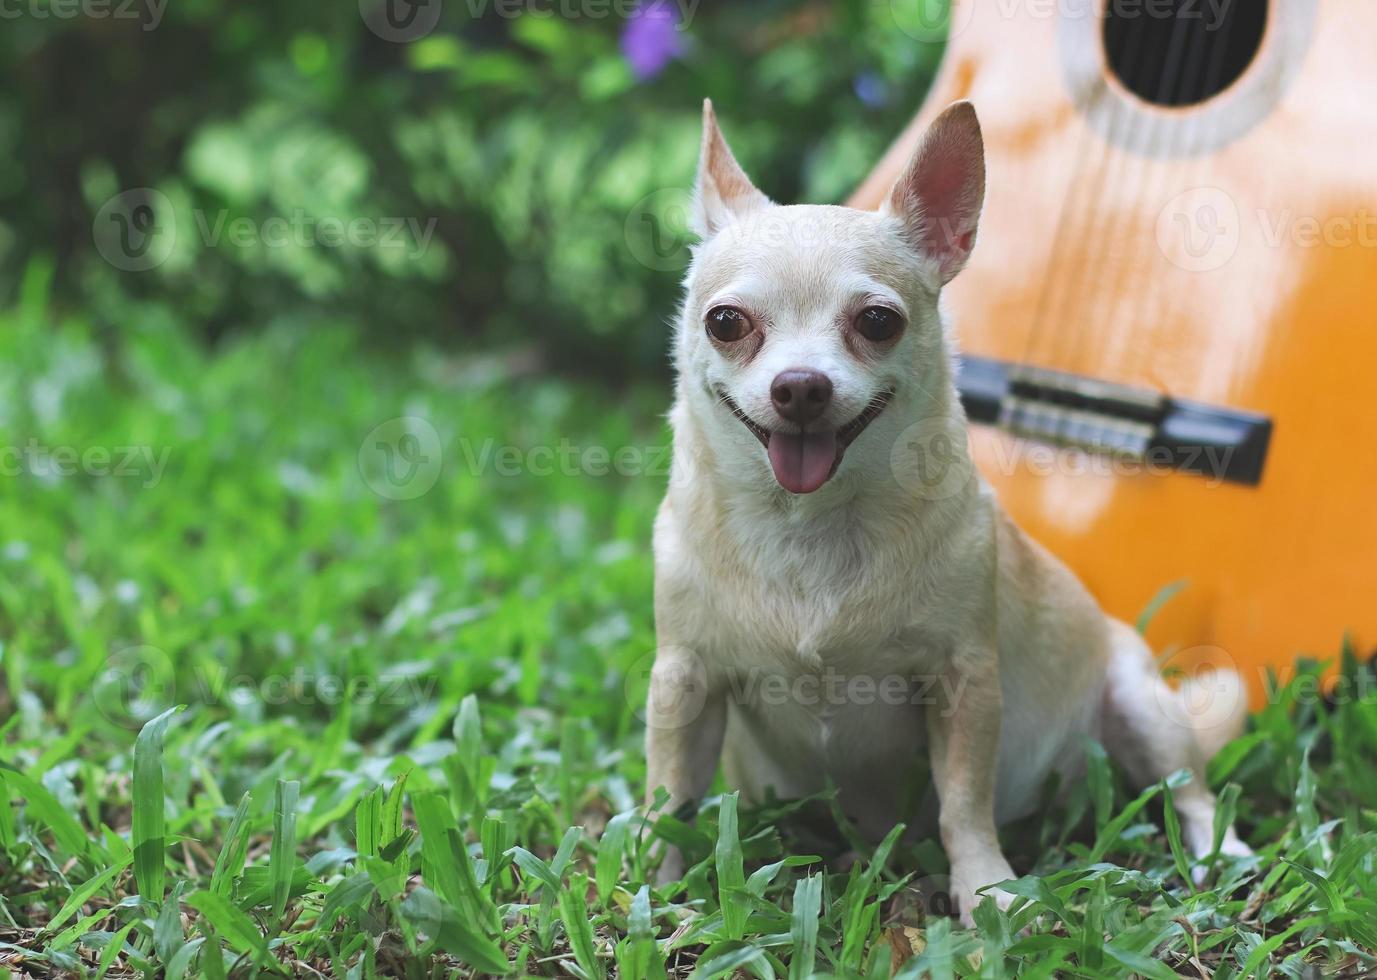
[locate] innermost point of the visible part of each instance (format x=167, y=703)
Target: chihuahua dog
x=836, y=588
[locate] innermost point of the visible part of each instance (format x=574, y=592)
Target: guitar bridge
x=1106, y=419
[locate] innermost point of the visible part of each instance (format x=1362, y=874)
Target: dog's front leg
x=686, y=718
x=963, y=737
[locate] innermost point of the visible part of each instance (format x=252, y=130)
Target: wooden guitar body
x=1222, y=253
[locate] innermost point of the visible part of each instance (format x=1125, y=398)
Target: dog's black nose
x=801, y=396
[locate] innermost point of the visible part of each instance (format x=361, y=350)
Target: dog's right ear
x=722, y=193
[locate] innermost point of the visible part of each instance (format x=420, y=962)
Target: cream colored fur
x=893, y=572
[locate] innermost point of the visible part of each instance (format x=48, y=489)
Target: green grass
x=257, y=718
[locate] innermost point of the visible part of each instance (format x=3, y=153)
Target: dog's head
x=810, y=336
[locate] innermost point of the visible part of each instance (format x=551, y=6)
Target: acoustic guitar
x=1170, y=319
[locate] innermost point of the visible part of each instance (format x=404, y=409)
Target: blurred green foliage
x=507, y=160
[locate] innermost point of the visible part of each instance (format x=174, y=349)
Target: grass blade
x=149, y=837
x=639, y=954
x=282, y=856
x=1178, y=846
x=239, y=930
x=731, y=876
x=43, y=807
x=804, y=928
x=82, y=895
x=578, y=926
x=452, y=932
x=229, y=864
x=368, y=824
x=611, y=849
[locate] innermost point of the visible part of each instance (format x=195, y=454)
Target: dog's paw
x=968, y=878
x=1233, y=847
x=1230, y=846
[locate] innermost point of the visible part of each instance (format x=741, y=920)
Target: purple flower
x=871, y=89
x=651, y=39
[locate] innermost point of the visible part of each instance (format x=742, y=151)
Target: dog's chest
x=805, y=612
x=798, y=607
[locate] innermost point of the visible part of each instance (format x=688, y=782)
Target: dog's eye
x=727, y=324
x=879, y=323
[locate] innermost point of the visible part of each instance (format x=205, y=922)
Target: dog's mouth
x=805, y=460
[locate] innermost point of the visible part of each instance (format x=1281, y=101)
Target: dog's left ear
x=939, y=194
x=722, y=192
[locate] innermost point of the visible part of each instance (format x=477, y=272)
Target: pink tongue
x=803, y=461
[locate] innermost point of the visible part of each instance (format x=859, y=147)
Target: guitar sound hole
x=1182, y=52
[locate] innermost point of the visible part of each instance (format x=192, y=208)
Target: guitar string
x=1046, y=295
x=1042, y=344
x=1088, y=187
x=1161, y=155
x=1128, y=170
x=1196, y=131
x=1186, y=55
x=1081, y=301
